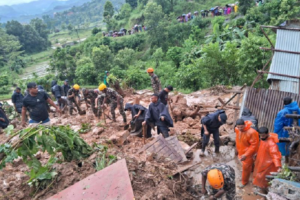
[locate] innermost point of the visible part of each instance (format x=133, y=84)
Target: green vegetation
x=190, y=56
x=103, y=160
x=53, y=140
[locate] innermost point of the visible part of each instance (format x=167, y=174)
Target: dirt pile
x=150, y=178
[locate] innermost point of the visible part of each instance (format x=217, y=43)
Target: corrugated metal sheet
x=265, y=104
x=286, y=86
x=286, y=63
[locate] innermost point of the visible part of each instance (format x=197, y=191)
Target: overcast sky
x=11, y=2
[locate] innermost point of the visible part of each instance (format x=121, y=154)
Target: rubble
x=154, y=173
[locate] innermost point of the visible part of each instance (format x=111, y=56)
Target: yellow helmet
x=76, y=87
x=102, y=87
x=215, y=178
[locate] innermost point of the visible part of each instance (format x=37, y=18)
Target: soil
x=150, y=178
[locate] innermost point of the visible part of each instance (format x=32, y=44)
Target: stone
x=98, y=130
x=120, y=137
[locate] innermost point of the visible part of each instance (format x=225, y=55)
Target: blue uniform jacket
x=281, y=121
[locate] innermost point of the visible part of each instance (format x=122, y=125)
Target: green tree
x=125, y=58
x=158, y=56
x=132, y=3
x=10, y=48
x=155, y=23
x=174, y=53
x=63, y=64
x=125, y=11
x=108, y=9
x=85, y=71
x=102, y=58
x=244, y=5
x=251, y=58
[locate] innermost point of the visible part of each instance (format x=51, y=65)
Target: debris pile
x=161, y=169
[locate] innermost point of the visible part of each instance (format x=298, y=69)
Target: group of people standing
x=257, y=149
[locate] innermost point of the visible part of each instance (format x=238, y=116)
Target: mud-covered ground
x=150, y=178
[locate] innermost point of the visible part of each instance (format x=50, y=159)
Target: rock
x=190, y=121
x=98, y=130
x=184, y=145
x=120, y=137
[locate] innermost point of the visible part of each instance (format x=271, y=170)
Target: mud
x=150, y=178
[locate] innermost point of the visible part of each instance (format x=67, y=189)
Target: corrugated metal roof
x=286, y=63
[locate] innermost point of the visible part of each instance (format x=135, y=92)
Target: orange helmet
x=215, y=178
x=150, y=70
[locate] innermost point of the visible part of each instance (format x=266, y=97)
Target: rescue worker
x=158, y=115
x=63, y=103
x=4, y=122
x=221, y=178
x=210, y=125
x=115, y=99
x=138, y=113
x=17, y=100
x=247, y=116
x=281, y=121
x=163, y=95
x=89, y=98
x=56, y=90
x=72, y=94
x=99, y=101
x=247, y=141
x=66, y=87
x=154, y=81
x=268, y=158
x=105, y=78
x=36, y=103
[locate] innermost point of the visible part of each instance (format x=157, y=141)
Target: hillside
x=26, y=11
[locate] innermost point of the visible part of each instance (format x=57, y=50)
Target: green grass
x=66, y=36
x=5, y=97
x=32, y=59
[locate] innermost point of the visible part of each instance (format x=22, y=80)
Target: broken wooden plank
x=161, y=147
x=186, y=167
x=193, y=146
x=221, y=101
x=173, y=141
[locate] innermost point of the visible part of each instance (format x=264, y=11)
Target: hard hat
x=215, y=178
x=150, y=70
x=76, y=87
x=102, y=87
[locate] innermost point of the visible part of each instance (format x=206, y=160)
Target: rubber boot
x=217, y=149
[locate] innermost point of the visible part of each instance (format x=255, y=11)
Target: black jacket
x=155, y=111
x=17, y=99
x=135, y=109
x=56, y=89
x=247, y=116
x=211, y=120
x=3, y=115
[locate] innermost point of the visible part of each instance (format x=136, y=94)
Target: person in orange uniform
x=268, y=158
x=247, y=141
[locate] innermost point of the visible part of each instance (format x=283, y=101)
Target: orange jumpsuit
x=268, y=160
x=247, y=144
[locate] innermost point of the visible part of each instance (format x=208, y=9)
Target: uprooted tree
x=53, y=140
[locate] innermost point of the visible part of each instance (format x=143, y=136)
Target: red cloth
x=247, y=143
x=268, y=160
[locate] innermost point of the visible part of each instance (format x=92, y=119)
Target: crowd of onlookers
x=214, y=11
x=135, y=29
